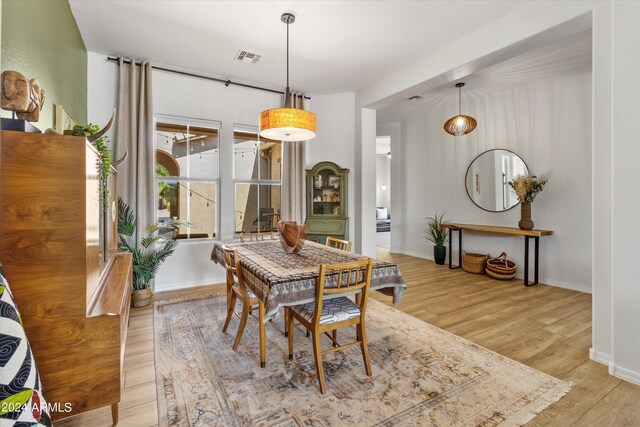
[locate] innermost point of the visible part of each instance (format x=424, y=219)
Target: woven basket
x=501, y=268
x=474, y=263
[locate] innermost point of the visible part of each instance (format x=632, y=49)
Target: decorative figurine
x=22, y=96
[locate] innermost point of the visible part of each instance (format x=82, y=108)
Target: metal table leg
x=536, y=263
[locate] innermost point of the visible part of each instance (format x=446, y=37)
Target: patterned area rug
x=422, y=375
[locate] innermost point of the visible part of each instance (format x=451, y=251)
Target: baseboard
x=624, y=374
x=596, y=356
x=192, y=284
x=554, y=283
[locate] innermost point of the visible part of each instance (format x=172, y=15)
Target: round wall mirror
x=488, y=176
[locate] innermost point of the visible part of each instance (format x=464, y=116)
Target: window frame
x=237, y=127
x=194, y=122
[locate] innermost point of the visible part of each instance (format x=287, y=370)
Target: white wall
x=625, y=360
x=547, y=123
x=383, y=181
x=335, y=139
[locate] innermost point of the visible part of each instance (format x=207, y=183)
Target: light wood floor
x=544, y=327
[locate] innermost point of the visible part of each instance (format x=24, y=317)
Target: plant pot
x=525, y=222
x=439, y=254
x=141, y=297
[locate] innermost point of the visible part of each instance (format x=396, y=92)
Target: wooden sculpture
x=292, y=236
x=24, y=97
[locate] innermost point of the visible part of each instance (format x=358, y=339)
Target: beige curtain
x=134, y=136
x=293, y=174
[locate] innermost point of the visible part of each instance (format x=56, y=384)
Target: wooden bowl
x=292, y=236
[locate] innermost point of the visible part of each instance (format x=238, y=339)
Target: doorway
x=383, y=192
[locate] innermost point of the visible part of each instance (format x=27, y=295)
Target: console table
x=528, y=234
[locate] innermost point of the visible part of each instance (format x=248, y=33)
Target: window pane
x=203, y=149
x=269, y=212
x=270, y=160
x=192, y=202
x=186, y=151
x=171, y=150
x=202, y=209
x=245, y=155
x=246, y=212
x=167, y=200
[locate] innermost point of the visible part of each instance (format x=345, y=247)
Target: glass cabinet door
x=326, y=193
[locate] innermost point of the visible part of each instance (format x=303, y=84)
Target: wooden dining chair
x=344, y=245
x=236, y=290
x=244, y=237
x=330, y=314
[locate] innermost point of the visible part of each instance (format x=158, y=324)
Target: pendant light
x=287, y=124
x=460, y=125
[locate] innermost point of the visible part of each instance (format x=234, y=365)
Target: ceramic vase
x=525, y=222
x=292, y=236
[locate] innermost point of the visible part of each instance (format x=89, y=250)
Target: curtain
x=293, y=174
x=134, y=136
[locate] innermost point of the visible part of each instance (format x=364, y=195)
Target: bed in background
x=383, y=220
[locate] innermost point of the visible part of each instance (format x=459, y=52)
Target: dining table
x=280, y=279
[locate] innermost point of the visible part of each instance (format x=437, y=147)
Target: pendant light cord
x=459, y=99
x=287, y=54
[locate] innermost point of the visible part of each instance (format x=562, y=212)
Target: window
x=187, y=164
x=257, y=180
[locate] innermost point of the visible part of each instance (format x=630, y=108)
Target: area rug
x=422, y=375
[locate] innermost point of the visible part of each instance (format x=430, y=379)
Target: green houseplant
x=159, y=243
x=104, y=154
x=438, y=236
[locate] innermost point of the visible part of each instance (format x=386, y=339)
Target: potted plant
x=438, y=236
x=527, y=188
x=159, y=243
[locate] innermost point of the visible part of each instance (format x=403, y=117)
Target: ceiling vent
x=416, y=97
x=248, y=57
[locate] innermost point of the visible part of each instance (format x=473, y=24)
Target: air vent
x=415, y=97
x=248, y=57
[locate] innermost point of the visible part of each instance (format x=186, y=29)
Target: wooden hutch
x=327, y=202
x=58, y=247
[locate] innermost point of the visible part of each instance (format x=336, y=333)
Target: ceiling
x=544, y=62
x=334, y=45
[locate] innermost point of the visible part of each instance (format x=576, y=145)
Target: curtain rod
x=200, y=76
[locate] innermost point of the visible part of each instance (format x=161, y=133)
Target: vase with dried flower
x=526, y=189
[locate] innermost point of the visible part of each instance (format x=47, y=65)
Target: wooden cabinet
x=327, y=197
x=72, y=288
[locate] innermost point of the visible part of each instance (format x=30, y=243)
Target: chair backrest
x=341, y=279
x=234, y=271
x=344, y=245
x=244, y=237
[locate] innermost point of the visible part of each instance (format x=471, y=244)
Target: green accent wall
x=40, y=39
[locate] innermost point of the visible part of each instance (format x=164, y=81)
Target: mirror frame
x=469, y=167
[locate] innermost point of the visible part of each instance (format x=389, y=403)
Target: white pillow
x=381, y=213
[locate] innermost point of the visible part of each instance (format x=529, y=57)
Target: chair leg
x=286, y=322
x=308, y=334
x=317, y=354
x=243, y=323
x=230, y=307
x=335, y=337
x=363, y=346
x=291, y=331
